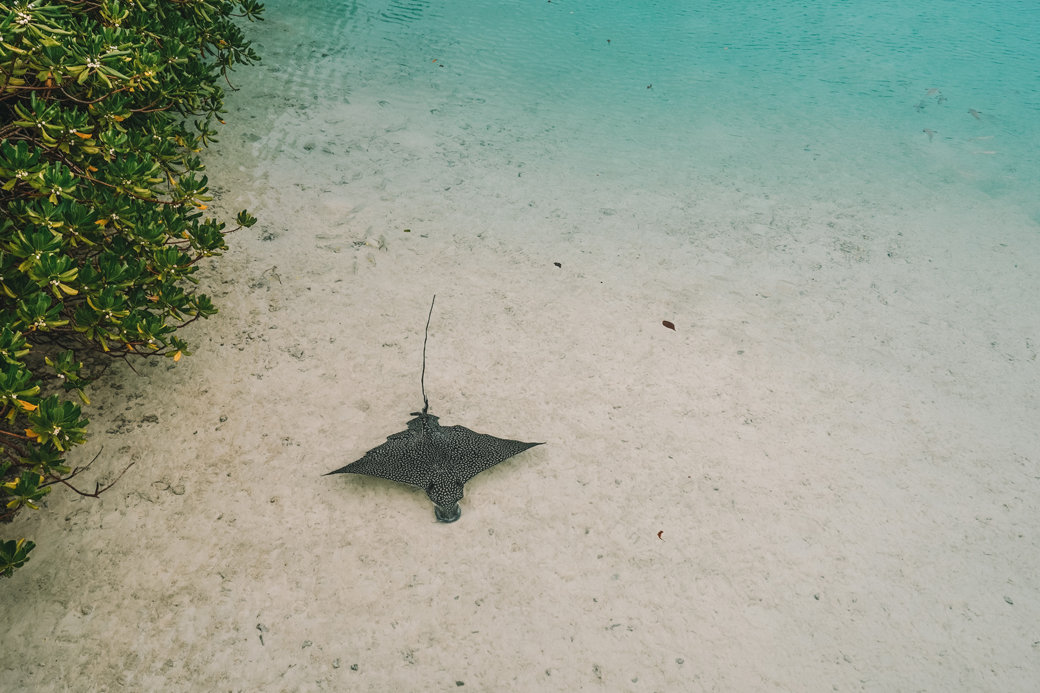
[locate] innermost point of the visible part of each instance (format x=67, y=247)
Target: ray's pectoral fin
x=402, y=458
x=472, y=453
x=468, y=453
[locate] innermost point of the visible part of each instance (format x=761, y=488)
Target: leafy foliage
x=104, y=106
x=14, y=554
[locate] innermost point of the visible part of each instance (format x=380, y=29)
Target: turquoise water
x=938, y=93
x=834, y=99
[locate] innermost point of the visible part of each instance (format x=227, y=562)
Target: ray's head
x=445, y=490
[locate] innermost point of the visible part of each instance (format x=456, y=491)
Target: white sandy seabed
x=825, y=477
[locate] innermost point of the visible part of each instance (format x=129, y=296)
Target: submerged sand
x=823, y=478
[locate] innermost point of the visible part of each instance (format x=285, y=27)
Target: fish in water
x=438, y=459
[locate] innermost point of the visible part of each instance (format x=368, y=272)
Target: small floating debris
x=669, y=324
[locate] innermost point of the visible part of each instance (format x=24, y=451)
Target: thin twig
x=98, y=489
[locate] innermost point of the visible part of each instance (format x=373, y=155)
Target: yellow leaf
x=26, y=405
x=177, y=356
x=84, y=135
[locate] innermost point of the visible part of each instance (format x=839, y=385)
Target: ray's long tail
x=422, y=374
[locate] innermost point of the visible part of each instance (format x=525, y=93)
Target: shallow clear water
x=881, y=104
x=836, y=95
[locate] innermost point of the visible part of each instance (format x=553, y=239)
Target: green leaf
x=14, y=554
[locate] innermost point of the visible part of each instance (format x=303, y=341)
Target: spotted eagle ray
x=438, y=459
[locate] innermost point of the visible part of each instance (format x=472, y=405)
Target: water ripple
x=404, y=11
